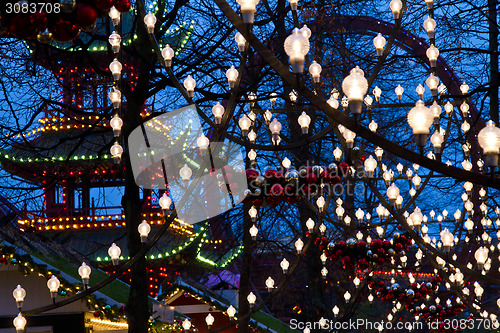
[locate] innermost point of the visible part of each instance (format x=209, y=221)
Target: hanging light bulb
x=368, y=102
x=252, y=155
x=489, y=140
x=437, y=140
x=190, y=84
x=251, y=298
x=464, y=107
x=304, y=121
x=165, y=203
x=286, y=163
x=442, y=89
x=429, y=26
x=432, y=54
x=464, y=88
x=355, y=87
x=203, y=142
x=481, y=256
x=114, y=15
x=241, y=41
x=53, y=284
x=310, y=224
x=218, y=112
x=347, y=296
x=115, y=41
x=167, y=54
x=248, y=8
x=84, y=271
x=377, y=92
x=19, y=294
x=231, y=311
x=396, y=7
x=150, y=21
x=373, y=126
x=432, y=82
x=335, y=311
x=186, y=325
x=399, y=92
x=244, y=124
x=420, y=120
x=115, y=96
x=284, y=265
x=268, y=116
x=185, y=172
x=299, y=245
x=392, y=193
x=116, y=69
x=447, y=239
x=275, y=128
x=296, y=47
x=337, y=153
x=370, y=298
x=315, y=71
x=253, y=232
x=324, y=272
x=144, y=228
x=370, y=166
x=349, y=137
x=114, y=252
x=19, y=323
x=116, y=151
x=116, y=124
x=269, y=284
x=320, y=202
x=209, y=319
x=379, y=152
x=293, y=96
x=232, y=76
x=379, y=43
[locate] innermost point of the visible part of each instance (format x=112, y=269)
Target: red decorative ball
x=104, y=5
x=86, y=15
x=311, y=178
x=270, y=173
x=123, y=6
x=377, y=243
x=277, y=190
x=344, y=168
x=363, y=264
x=251, y=174
x=39, y=20
x=20, y=26
x=64, y=31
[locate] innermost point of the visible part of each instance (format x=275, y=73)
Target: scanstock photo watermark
x=361, y=324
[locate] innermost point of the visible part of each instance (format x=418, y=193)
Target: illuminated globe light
x=392, y=193
x=19, y=294
x=335, y=310
x=334, y=103
x=115, y=41
x=209, y=319
x=448, y=107
x=275, y=128
x=252, y=212
x=150, y=21
x=379, y=153
x=269, y=284
x=84, y=271
x=231, y=311
x=349, y=137
x=432, y=82
x=244, y=124
x=115, y=96
x=370, y=298
x=322, y=228
x=304, y=121
x=251, y=298
x=447, y=239
x=430, y=26
x=168, y=54
x=252, y=136
x=420, y=91
x=356, y=282
x=253, y=232
x=432, y=54
x=416, y=181
x=368, y=101
x=355, y=87
x=286, y=163
x=377, y=92
x=399, y=92
x=442, y=89
x=284, y=264
x=19, y=323
x=114, y=253
x=185, y=172
x=305, y=31
x=315, y=71
x=464, y=88
x=240, y=41
x=165, y=202
x=310, y=224
x=248, y=8
x=337, y=154
x=437, y=140
x=293, y=4
x=252, y=155
x=373, y=126
x=347, y=296
x=464, y=107
x=370, y=166
x=232, y=76
x=190, y=84
x=53, y=284
x=481, y=256
x=116, y=69
x=489, y=140
x=420, y=119
x=299, y=245
x=116, y=124
x=203, y=142
x=144, y=228
x=296, y=47
x=218, y=112
x=320, y=202
x=186, y=324
x=436, y=111
x=379, y=43
x=116, y=151
x=396, y=7
x=114, y=15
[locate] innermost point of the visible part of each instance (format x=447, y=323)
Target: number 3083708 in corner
x=25, y=7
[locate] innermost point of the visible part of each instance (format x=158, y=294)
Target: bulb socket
x=491, y=160
x=421, y=139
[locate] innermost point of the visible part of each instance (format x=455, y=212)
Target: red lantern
x=123, y=6
x=86, y=15
x=20, y=26
x=64, y=31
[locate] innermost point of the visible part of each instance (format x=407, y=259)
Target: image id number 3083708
x=22, y=7
x=471, y=324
